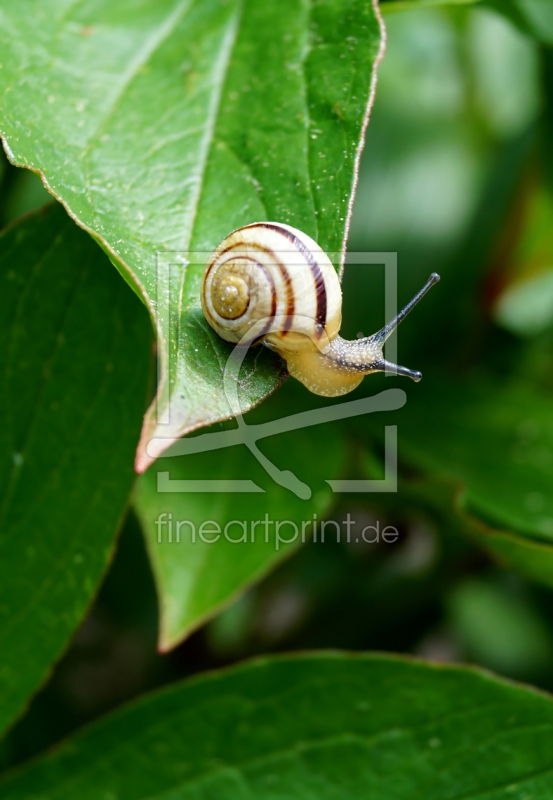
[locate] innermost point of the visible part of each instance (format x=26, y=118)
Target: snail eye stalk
x=380, y=337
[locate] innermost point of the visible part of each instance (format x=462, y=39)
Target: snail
x=271, y=283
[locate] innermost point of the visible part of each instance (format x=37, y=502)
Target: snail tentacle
x=365, y=355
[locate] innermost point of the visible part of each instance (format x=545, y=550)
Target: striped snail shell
x=271, y=283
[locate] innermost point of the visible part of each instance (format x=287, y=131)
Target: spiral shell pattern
x=272, y=282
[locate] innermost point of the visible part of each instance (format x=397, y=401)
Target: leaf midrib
x=207, y=140
x=152, y=43
x=320, y=743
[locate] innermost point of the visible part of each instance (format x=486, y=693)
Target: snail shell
x=275, y=273
x=271, y=283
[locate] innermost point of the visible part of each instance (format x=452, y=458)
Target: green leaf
x=244, y=535
x=392, y=6
x=75, y=351
x=495, y=441
x=326, y=727
x=164, y=124
x=500, y=628
x=531, y=16
x=526, y=307
x=488, y=466
x=444, y=500
x=21, y=192
x=531, y=559
x=225, y=541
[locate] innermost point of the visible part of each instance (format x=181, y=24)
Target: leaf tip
x=150, y=448
x=142, y=462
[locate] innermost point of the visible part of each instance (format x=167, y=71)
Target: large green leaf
x=207, y=567
x=75, y=351
x=164, y=124
x=324, y=727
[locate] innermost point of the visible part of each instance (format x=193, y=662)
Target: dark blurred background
x=455, y=178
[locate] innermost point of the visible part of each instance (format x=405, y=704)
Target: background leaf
x=75, y=362
x=195, y=577
x=164, y=125
x=507, y=481
x=324, y=726
x=532, y=16
x=392, y=6
x=445, y=500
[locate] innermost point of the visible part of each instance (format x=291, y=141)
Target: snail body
x=271, y=283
